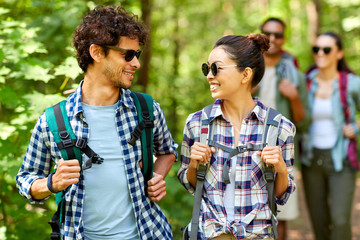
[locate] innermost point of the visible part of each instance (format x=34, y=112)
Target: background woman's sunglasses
x=129, y=54
x=326, y=50
x=213, y=68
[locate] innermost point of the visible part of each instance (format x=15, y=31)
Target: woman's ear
x=96, y=52
x=247, y=75
x=340, y=55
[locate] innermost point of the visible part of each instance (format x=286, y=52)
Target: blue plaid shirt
x=42, y=152
x=251, y=211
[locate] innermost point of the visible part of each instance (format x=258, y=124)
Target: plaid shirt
x=251, y=211
x=42, y=152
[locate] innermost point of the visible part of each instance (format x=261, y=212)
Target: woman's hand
x=200, y=153
x=272, y=156
x=349, y=131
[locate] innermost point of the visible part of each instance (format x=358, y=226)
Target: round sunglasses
x=213, y=68
x=129, y=53
x=316, y=49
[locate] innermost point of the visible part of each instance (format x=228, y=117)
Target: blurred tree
x=38, y=65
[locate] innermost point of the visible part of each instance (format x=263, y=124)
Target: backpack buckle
x=80, y=143
x=97, y=159
x=241, y=149
x=63, y=134
x=67, y=143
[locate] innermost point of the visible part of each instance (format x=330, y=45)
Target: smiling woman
x=234, y=67
x=328, y=172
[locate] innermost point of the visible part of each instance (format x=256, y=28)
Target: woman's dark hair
x=342, y=65
x=104, y=26
x=247, y=52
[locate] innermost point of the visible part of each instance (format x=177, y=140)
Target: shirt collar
x=125, y=98
x=258, y=112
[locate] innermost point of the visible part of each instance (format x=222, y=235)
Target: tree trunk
x=143, y=79
x=313, y=12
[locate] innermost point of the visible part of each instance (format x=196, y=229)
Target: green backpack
x=70, y=147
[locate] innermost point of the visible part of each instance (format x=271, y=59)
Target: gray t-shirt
x=108, y=211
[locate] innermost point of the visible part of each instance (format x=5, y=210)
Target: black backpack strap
x=144, y=130
x=70, y=148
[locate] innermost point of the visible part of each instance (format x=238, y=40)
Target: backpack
x=343, y=86
x=269, y=138
x=71, y=148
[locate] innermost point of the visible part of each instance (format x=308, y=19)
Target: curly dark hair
x=104, y=26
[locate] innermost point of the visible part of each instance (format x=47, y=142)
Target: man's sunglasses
x=277, y=35
x=129, y=54
x=213, y=68
x=326, y=50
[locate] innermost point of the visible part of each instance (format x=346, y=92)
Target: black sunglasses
x=213, y=68
x=277, y=35
x=326, y=50
x=129, y=53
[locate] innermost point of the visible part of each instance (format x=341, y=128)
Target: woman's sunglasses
x=129, y=54
x=326, y=50
x=213, y=68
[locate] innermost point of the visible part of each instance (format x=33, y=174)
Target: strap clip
x=67, y=143
x=241, y=149
x=97, y=159
x=201, y=172
x=80, y=143
x=64, y=134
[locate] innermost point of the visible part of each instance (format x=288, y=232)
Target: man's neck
x=272, y=60
x=97, y=93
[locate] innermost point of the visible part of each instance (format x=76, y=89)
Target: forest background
x=38, y=67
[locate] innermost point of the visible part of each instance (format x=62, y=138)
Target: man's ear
x=247, y=75
x=96, y=52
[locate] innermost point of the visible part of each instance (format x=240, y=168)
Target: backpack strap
x=145, y=110
x=270, y=134
x=70, y=148
x=200, y=173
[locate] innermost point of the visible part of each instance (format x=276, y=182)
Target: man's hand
x=288, y=89
x=67, y=173
x=156, y=187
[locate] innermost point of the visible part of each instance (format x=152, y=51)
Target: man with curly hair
x=109, y=200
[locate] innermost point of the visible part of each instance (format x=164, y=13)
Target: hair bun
x=261, y=40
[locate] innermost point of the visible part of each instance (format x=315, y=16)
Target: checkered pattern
x=42, y=153
x=252, y=212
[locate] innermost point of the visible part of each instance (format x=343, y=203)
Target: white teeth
x=212, y=87
x=129, y=74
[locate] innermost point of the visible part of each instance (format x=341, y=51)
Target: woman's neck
x=327, y=74
x=236, y=111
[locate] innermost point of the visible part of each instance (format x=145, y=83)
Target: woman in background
x=329, y=171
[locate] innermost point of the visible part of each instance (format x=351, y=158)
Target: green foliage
x=38, y=64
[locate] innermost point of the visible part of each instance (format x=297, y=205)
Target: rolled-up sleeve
x=188, y=141
x=287, y=149
x=163, y=140
x=37, y=162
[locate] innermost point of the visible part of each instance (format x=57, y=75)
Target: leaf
x=69, y=68
x=36, y=73
x=39, y=102
x=33, y=47
x=6, y=130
